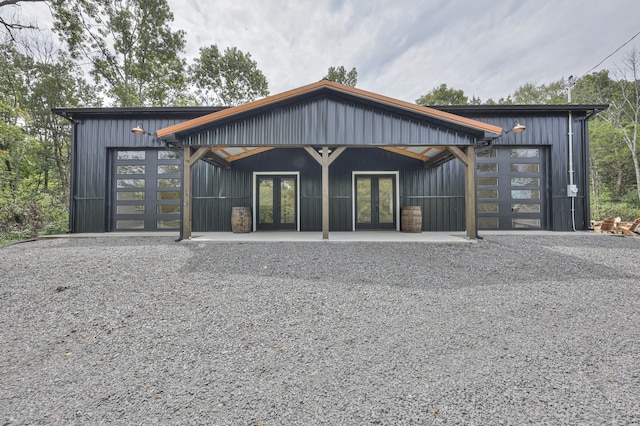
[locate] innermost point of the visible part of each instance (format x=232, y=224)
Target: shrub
x=626, y=211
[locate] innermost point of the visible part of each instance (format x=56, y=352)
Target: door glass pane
x=168, y=209
x=130, y=224
x=525, y=223
x=488, y=168
x=487, y=207
x=168, y=224
x=168, y=155
x=488, y=193
x=130, y=196
x=130, y=183
x=525, y=153
x=168, y=195
x=385, y=200
x=363, y=188
x=525, y=194
x=488, y=181
x=266, y=200
x=287, y=200
x=127, y=209
x=525, y=181
x=168, y=169
x=488, y=222
x=525, y=208
x=169, y=183
x=487, y=153
x=130, y=155
x=525, y=168
x=133, y=169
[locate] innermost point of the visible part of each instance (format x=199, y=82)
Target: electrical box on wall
x=572, y=191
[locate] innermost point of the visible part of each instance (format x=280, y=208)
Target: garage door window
x=145, y=190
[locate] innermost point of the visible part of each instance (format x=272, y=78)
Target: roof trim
x=190, y=111
x=337, y=87
x=529, y=108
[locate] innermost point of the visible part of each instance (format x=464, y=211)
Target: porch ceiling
x=425, y=154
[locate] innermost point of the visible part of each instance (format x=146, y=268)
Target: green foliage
x=133, y=51
x=31, y=213
x=626, y=211
x=552, y=93
x=442, y=95
x=342, y=76
x=232, y=78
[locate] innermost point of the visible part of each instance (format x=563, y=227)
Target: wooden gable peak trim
x=309, y=88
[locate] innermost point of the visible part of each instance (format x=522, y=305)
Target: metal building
x=328, y=157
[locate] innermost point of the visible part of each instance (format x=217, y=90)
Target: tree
x=232, y=78
x=552, y=93
x=12, y=25
x=342, y=76
x=442, y=95
x=624, y=110
x=130, y=45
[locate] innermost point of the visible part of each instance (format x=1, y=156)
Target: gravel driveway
x=511, y=330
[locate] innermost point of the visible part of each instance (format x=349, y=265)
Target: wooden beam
x=312, y=152
x=470, y=193
x=217, y=160
x=325, y=192
x=437, y=158
x=335, y=154
x=187, y=216
x=459, y=154
x=200, y=152
x=249, y=153
x=325, y=161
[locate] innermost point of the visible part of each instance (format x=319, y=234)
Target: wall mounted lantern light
x=517, y=128
x=139, y=130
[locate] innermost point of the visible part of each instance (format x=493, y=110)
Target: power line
x=611, y=54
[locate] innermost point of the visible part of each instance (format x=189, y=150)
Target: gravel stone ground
x=511, y=330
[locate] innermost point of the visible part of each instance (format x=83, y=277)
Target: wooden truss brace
x=325, y=161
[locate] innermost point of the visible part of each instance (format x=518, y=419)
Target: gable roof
x=326, y=87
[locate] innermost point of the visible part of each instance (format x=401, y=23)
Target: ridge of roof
x=322, y=84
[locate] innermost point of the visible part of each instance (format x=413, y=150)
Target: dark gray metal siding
x=552, y=130
x=439, y=190
x=95, y=137
x=327, y=122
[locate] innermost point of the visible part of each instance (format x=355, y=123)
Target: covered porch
x=324, y=120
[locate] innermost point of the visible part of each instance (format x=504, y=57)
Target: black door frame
x=256, y=199
x=396, y=207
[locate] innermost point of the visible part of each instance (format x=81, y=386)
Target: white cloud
x=405, y=48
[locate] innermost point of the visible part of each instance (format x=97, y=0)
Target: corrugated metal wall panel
x=215, y=192
x=96, y=136
x=327, y=122
x=440, y=193
x=552, y=129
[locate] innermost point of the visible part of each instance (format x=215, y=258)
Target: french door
x=375, y=201
x=276, y=202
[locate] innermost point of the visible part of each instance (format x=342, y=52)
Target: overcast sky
x=405, y=48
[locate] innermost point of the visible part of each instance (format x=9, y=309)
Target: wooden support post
x=325, y=161
x=188, y=160
x=468, y=158
x=187, y=215
x=325, y=193
x=470, y=192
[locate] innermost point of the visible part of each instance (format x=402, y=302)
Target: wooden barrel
x=241, y=219
x=411, y=219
